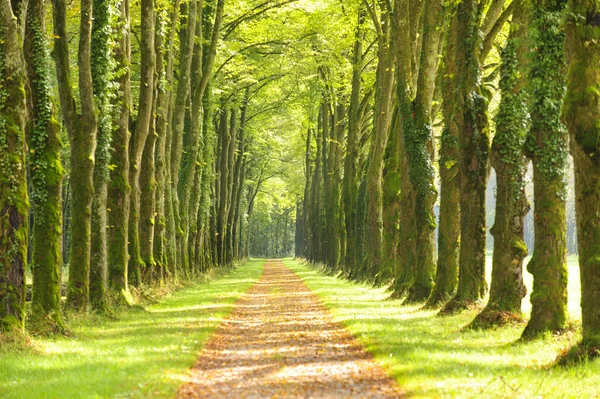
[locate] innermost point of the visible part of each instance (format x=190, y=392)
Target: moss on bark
x=14, y=204
x=546, y=145
x=581, y=113
x=46, y=178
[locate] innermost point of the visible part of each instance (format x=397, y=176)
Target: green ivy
x=547, y=89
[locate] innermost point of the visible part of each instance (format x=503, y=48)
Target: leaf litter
x=280, y=341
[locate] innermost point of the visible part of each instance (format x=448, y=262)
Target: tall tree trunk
x=546, y=145
x=46, y=175
x=101, y=70
x=222, y=193
x=306, y=205
x=419, y=150
x=472, y=123
x=446, y=278
x=581, y=114
x=382, y=117
x=232, y=156
x=140, y=135
x=326, y=222
x=337, y=230
x=316, y=200
x=177, y=122
x=118, y=187
x=507, y=288
x=164, y=77
x=14, y=204
x=350, y=183
x=81, y=129
x=148, y=194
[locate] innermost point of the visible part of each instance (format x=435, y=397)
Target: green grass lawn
x=144, y=354
x=432, y=357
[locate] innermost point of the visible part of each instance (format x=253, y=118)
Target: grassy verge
x=431, y=357
x=144, y=354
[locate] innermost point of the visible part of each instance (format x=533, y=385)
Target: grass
x=432, y=357
x=146, y=353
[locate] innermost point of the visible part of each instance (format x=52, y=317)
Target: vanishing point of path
x=281, y=342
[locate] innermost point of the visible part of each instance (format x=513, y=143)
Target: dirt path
x=281, y=342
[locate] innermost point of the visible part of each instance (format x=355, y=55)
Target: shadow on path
x=281, y=342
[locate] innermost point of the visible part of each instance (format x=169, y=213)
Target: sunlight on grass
x=431, y=357
x=146, y=353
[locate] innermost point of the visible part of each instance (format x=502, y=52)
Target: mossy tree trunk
x=14, y=205
x=350, y=182
x=177, y=121
x=507, y=288
x=316, y=201
x=546, y=145
x=446, y=278
x=164, y=77
x=306, y=204
x=582, y=115
x=118, y=187
x=102, y=67
x=81, y=128
x=223, y=177
x=140, y=135
x=382, y=117
x=46, y=176
x=390, y=263
x=472, y=123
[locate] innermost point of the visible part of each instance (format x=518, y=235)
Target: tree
x=119, y=190
x=46, y=175
x=546, y=145
x=472, y=123
x=14, y=204
x=507, y=288
x=81, y=128
x=139, y=136
x=581, y=114
x=101, y=76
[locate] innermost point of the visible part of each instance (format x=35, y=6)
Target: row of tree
x=156, y=163
x=370, y=192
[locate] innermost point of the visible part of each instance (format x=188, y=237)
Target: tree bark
x=81, y=129
x=581, y=114
x=471, y=120
x=507, y=288
x=46, y=176
x=446, y=278
x=101, y=68
x=118, y=187
x=350, y=182
x=546, y=145
x=140, y=135
x=14, y=204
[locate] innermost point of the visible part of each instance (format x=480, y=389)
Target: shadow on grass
x=434, y=357
x=143, y=354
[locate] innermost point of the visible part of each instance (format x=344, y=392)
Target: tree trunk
x=581, y=114
x=446, y=278
x=546, y=145
x=118, y=187
x=350, y=182
x=507, y=288
x=139, y=137
x=177, y=122
x=46, y=176
x=14, y=204
x=471, y=120
x=101, y=70
x=374, y=174
x=81, y=129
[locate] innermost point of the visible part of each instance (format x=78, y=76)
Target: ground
x=280, y=341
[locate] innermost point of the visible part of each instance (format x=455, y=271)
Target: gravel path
x=281, y=342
